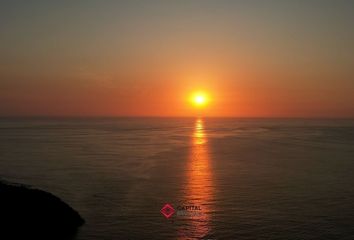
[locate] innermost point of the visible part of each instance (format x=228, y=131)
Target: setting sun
x=199, y=99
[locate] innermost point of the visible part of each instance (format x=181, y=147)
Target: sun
x=199, y=99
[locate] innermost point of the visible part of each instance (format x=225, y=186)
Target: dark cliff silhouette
x=29, y=212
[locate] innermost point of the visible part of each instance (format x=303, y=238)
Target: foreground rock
x=35, y=213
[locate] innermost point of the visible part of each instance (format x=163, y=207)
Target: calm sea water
x=245, y=178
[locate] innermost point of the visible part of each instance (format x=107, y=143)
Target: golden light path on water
x=199, y=188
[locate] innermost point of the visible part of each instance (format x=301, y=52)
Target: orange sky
x=146, y=59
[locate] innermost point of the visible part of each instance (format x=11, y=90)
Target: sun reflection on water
x=199, y=187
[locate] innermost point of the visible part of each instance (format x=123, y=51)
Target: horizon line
x=161, y=116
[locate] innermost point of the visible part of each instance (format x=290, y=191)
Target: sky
x=145, y=58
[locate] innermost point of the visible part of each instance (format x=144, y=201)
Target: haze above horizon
x=147, y=58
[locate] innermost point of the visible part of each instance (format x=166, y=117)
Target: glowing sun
x=199, y=99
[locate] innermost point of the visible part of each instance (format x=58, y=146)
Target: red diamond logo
x=167, y=210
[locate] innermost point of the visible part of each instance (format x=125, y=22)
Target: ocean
x=190, y=178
